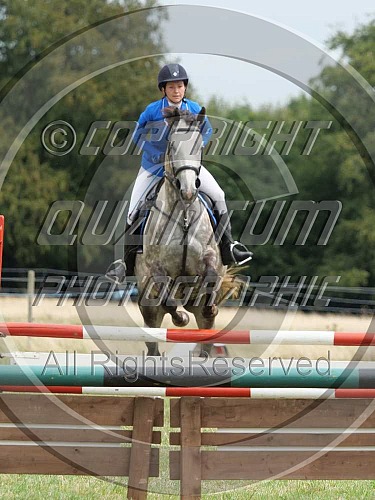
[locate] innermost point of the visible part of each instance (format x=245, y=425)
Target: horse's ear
x=170, y=112
x=201, y=115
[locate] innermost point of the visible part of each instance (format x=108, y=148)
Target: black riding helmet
x=172, y=73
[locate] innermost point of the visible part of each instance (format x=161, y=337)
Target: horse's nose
x=188, y=194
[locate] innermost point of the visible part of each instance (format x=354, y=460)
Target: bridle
x=173, y=179
x=175, y=183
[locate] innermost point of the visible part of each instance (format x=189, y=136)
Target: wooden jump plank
x=71, y=410
x=68, y=410
x=272, y=439
x=72, y=435
x=263, y=465
x=70, y=460
x=144, y=414
x=237, y=413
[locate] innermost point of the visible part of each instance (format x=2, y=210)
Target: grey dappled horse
x=179, y=246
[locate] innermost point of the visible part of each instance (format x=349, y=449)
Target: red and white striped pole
x=229, y=392
x=260, y=337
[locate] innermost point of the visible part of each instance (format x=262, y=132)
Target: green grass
x=17, y=487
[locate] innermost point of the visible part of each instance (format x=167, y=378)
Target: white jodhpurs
x=145, y=181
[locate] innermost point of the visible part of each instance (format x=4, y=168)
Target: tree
x=45, y=47
x=335, y=170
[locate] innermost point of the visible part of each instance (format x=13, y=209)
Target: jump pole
x=211, y=375
x=230, y=392
x=264, y=337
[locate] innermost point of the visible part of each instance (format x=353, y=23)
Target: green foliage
x=334, y=170
x=46, y=48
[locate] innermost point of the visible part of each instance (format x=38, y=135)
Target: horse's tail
x=232, y=284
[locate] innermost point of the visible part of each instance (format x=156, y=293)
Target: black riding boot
x=119, y=269
x=232, y=252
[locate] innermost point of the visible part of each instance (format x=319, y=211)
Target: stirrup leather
x=241, y=247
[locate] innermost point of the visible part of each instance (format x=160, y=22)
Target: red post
x=1, y=243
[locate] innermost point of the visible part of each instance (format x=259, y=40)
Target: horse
x=179, y=245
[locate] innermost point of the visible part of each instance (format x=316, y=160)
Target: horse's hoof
x=153, y=352
x=209, y=312
x=152, y=349
x=181, y=318
x=205, y=352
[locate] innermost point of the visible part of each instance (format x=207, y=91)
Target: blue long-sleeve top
x=152, y=121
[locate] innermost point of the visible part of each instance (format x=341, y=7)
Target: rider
x=172, y=82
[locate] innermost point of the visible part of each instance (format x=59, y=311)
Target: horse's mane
x=172, y=113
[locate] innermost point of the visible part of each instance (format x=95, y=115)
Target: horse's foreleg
x=152, y=317
x=206, y=310
x=210, y=275
x=179, y=318
x=203, y=323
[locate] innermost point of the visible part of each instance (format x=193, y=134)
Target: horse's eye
x=178, y=184
x=197, y=182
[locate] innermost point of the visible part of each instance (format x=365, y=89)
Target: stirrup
x=242, y=248
x=116, y=272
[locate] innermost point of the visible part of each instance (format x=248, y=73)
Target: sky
x=238, y=81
